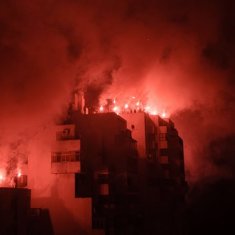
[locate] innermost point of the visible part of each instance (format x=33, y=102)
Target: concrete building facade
x=111, y=174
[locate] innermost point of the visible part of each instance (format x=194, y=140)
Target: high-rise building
x=116, y=174
x=109, y=173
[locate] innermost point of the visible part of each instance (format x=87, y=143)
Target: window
x=103, y=178
x=73, y=157
x=63, y=157
x=164, y=160
x=162, y=136
x=163, y=152
x=98, y=222
x=83, y=185
x=150, y=156
x=68, y=156
x=65, y=134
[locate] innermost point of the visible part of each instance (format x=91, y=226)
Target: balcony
x=65, y=167
x=65, y=162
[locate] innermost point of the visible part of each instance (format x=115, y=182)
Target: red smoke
x=178, y=54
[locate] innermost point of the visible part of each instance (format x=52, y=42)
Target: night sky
x=178, y=55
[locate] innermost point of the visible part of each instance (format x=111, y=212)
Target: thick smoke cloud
x=178, y=54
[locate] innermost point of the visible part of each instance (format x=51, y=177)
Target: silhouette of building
x=18, y=218
x=109, y=174
x=124, y=172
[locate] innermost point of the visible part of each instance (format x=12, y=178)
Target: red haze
x=177, y=54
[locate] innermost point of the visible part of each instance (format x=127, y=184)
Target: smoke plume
x=178, y=55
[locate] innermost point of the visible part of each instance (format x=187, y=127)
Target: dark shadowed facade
x=124, y=172
x=106, y=174
x=18, y=218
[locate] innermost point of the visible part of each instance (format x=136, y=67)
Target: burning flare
x=9, y=180
x=132, y=105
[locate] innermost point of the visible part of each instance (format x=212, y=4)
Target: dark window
x=83, y=185
x=66, y=131
x=63, y=135
x=162, y=122
x=103, y=178
x=68, y=156
x=153, y=145
x=77, y=155
x=56, y=157
x=98, y=222
x=71, y=158
x=63, y=157
x=150, y=156
x=163, y=152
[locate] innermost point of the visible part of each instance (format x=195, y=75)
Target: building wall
x=103, y=141
x=56, y=192
x=14, y=211
x=99, y=140
x=136, y=123
x=106, y=145
x=170, y=151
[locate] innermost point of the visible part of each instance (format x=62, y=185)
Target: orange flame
x=19, y=174
x=101, y=108
x=134, y=104
x=1, y=177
